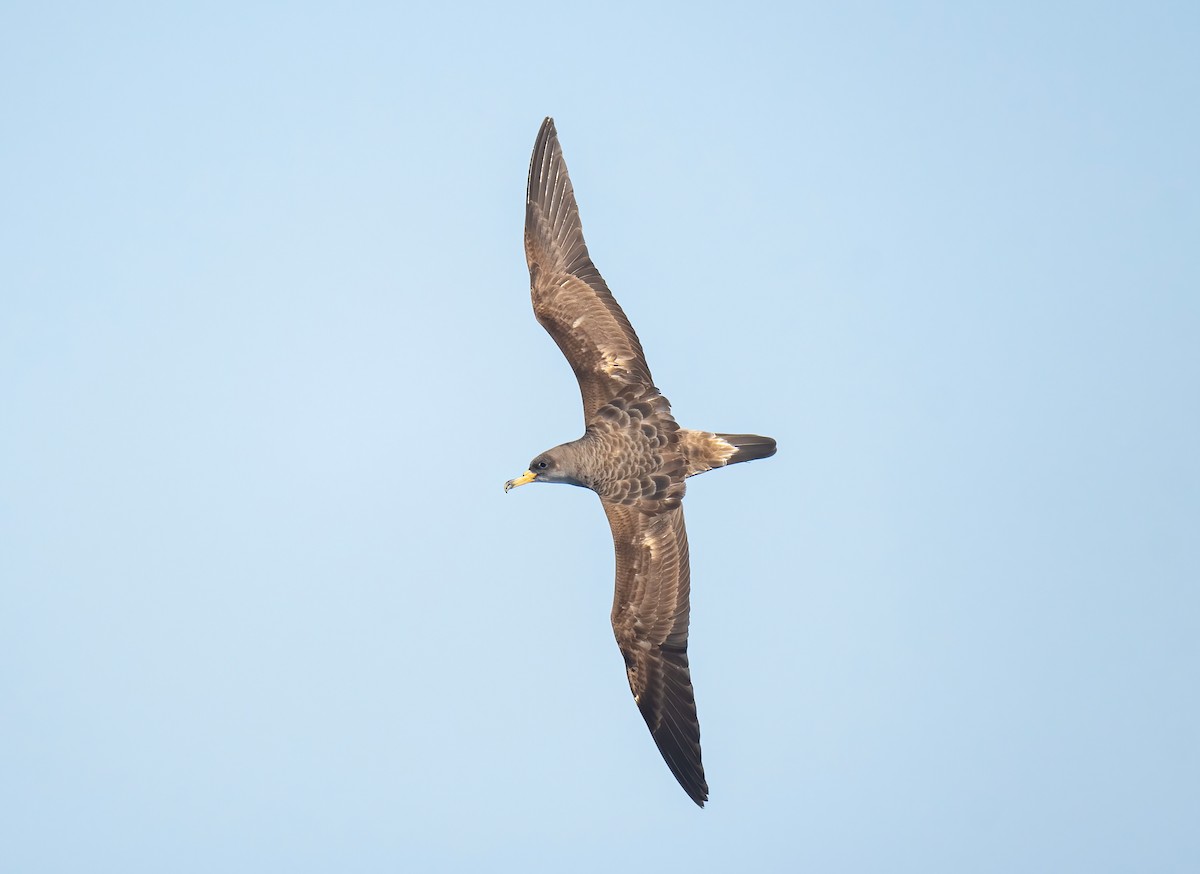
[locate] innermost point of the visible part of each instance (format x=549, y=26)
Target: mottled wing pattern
x=570, y=298
x=650, y=621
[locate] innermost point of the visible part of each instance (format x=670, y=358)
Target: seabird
x=632, y=454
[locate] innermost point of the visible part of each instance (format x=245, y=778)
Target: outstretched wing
x=650, y=621
x=570, y=298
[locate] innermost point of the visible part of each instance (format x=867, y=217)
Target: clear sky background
x=267, y=358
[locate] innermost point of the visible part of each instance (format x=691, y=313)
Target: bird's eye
x=542, y=465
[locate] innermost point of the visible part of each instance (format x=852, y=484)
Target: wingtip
x=544, y=150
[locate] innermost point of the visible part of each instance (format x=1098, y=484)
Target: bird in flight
x=632, y=454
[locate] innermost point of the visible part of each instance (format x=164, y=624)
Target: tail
x=706, y=451
x=748, y=447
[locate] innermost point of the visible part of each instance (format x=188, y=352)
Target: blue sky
x=267, y=358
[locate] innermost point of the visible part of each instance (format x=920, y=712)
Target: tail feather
x=706, y=450
x=750, y=447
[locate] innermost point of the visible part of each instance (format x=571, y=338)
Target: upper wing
x=570, y=298
x=650, y=621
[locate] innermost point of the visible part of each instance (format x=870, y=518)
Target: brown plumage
x=632, y=454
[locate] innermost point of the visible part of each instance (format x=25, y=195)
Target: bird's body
x=632, y=454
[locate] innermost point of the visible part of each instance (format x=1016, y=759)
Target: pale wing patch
x=649, y=541
x=610, y=362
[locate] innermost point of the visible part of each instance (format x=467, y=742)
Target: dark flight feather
x=570, y=298
x=650, y=621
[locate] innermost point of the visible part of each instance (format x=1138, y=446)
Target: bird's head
x=552, y=466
